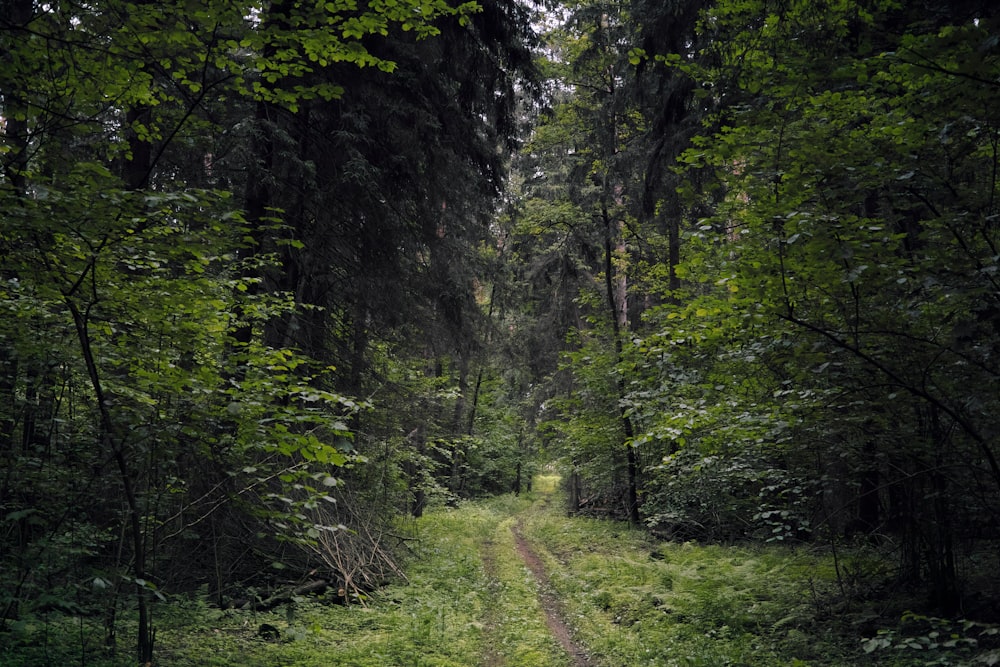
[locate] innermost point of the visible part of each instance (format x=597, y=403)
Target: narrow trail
x=550, y=603
x=502, y=555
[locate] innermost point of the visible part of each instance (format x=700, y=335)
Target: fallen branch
x=283, y=597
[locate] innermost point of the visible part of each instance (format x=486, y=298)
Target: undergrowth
x=470, y=600
x=639, y=603
x=439, y=617
x=635, y=601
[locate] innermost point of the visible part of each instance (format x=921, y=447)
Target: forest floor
x=515, y=582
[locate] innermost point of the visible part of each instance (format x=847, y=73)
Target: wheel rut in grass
x=550, y=604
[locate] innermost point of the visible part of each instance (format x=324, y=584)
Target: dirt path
x=549, y=602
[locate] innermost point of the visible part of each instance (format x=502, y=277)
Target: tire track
x=551, y=605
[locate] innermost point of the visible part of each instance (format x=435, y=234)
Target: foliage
x=188, y=424
x=586, y=428
x=436, y=617
x=727, y=497
x=261, y=292
x=631, y=601
x=815, y=356
x=922, y=640
x=152, y=369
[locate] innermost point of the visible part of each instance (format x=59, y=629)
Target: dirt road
x=505, y=556
x=549, y=602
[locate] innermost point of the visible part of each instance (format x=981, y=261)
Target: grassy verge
x=638, y=603
x=634, y=601
x=454, y=610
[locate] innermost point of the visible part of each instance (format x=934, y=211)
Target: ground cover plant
x=640, y=602
x=635, y=600
x=466, y=597
x=469, y=598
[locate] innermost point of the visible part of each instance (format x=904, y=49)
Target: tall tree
x=602, y=156
x=155, y=381
x=845, y=278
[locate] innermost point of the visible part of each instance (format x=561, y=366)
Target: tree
x=389, y=192
x=156, y=384
x=847, y=271
x=598, y=169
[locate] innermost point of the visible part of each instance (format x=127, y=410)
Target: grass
x=470, y=600
x=439, y=618
x=636, y=602
x=468, y=597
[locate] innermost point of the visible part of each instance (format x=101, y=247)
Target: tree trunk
x=144, y=640
x=8, y=407
x=136, y=174
x=869, y=506
x=616, y=289
x=414, y=472
x=575, y=492
x=456, y=482
x=941, y=557
x=39, y=406
x=136, y=170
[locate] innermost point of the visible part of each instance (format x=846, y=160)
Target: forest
x=278, y=278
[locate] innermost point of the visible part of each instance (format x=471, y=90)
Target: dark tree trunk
x=8, y=405
x=617, y=311
x=415, y=473
x=869, y=506
x=116, y=447
x=941, y=557
x=39, y=407
x=136, y=175
x=257, y=197
x=136, y=171
x=456, y=482
x=575, y=491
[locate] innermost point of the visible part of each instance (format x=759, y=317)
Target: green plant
x=667, y=603
x=935, y=642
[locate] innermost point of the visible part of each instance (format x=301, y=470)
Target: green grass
x=636, y=602
x=470, y=600
x=436, y=619
x=450, y=613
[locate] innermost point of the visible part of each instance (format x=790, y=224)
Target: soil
x=550, y=604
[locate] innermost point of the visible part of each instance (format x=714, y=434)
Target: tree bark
x=869, y=506
x=414, y=473
x=616, y=291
